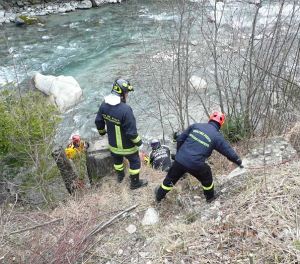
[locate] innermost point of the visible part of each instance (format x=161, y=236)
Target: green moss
x=28, y=20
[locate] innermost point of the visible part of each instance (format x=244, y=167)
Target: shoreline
x=11, y=13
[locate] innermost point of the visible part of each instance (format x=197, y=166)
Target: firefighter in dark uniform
x=160, y=156
x=194, y=146
x=123, y=138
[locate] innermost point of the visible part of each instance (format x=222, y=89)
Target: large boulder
x=64, y=91
x=99, y=162
x=198, y=83
x=26, y=20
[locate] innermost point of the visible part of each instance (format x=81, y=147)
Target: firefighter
x=194, y=146
x=76, y=147
x=160, y=156
x=123, y=139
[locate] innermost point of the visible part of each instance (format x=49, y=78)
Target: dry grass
x=255, y=221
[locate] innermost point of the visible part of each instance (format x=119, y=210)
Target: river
x=94, y=46
x=97, y=45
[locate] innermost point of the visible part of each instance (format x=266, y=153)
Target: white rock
x=198, y=83
x=62, y=9
x=99, y=2
x=85, y=4
x=236, y=172
x=194, y=42
x=131, y=229
x=67, y=7
x=120, y=252
x=2, y=16
x=65, y=90
x=151, y=217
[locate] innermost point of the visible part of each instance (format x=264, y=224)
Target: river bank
x=10, y=10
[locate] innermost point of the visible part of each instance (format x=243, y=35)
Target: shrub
x=27, y=123
x=234, y=129
x=27, y=129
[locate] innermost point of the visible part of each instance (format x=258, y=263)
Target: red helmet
x=76, y=139
x=218, y=117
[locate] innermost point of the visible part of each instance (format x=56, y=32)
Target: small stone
x=151, y=217
x=282, y=148
x=131, y=229
x=120, y=252
x=143, y=254
x=194, y=42
x=268, y=152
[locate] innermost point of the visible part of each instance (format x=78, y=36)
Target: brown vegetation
x=256, y=220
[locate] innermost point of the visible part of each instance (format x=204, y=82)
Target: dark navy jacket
x=160, y=159
x=196, y=144
x=121, y=127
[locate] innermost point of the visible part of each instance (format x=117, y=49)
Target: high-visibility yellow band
x=136, y=140
x=134, y=172
x=123, y=151
x=202, y=133
x=209, y=187
x=199, y=140
x=166, y=188
x=147, y=160
x=118, y=137
x=119, y=167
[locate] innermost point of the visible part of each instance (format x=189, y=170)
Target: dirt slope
x=255, y=220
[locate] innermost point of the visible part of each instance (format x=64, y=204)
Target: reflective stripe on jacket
x=197, y=142
x=160, y=158
x=121, y=127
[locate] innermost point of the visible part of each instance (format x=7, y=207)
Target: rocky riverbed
x=10, y=11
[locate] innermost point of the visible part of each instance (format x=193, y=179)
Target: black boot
x=209, y=195
x=121, y=175
x=160, y=193
x=135, y=182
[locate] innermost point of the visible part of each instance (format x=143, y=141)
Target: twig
x=251, y=260
x=102, y=226
x=33, y=227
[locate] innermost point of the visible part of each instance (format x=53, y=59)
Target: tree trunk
x=66, y=168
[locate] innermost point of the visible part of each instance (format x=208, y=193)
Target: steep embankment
x=255, y=220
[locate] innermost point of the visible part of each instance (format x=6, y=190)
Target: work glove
x=175, y=136
x=102, y=132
